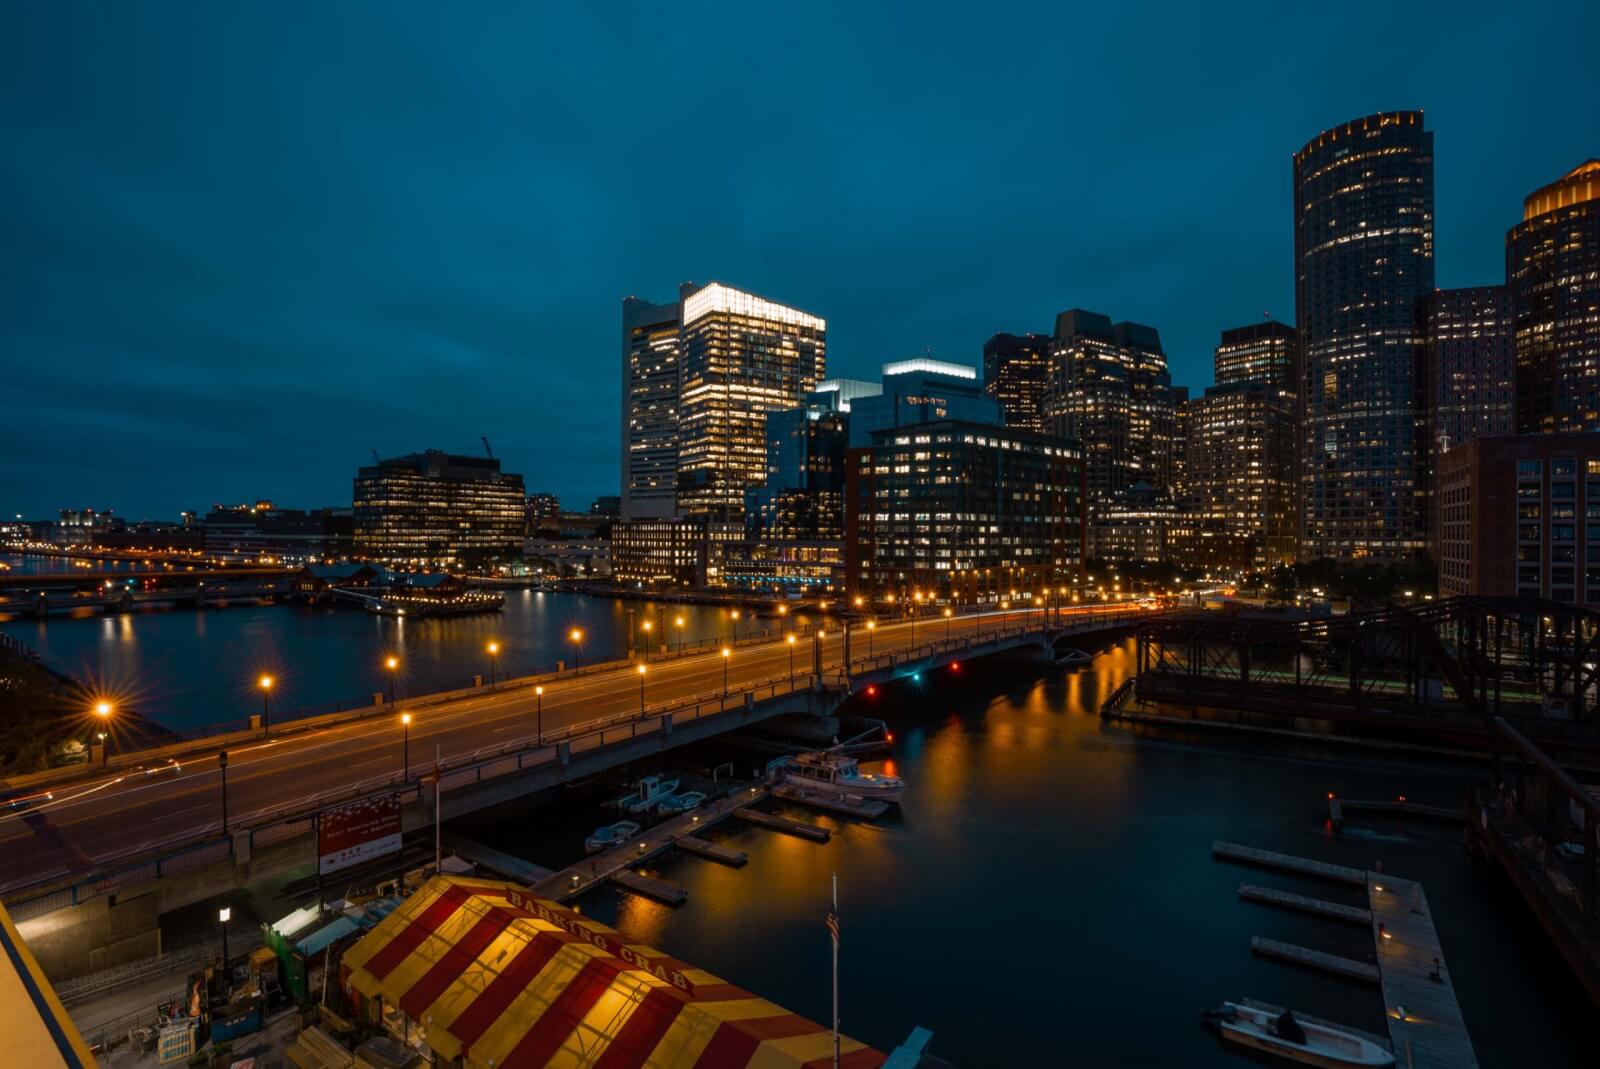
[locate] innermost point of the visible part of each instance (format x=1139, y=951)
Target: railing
x=1118, y=700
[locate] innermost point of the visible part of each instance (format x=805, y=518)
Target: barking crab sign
x=357, y=832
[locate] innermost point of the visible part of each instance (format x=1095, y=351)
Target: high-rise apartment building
x=438, y=510
x=1016, y=372
x=1241, y=471
x=967, y=511
x=1469, y=367
x=1553, y=273
x=1110, y=391
x=650, y=369
x=742, y=356
x=1363, y=240
x=1265, y=352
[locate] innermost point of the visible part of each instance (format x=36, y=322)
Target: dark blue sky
x=245, y=243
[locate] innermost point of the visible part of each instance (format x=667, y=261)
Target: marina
x=1314, y=959
x=1289, y=900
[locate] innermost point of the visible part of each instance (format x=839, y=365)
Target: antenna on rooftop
x=375, y=458
x=484, y=438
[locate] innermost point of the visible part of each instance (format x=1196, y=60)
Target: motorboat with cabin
x=832, y=772
x=648, y=793
x=610, y=835
x=1297, y=1040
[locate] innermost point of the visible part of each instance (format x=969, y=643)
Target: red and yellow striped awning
x=509, y=981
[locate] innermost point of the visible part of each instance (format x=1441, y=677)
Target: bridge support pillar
x=666, y=723
x=564, y=752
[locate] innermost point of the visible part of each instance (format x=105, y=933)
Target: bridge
x=39, y=595
x=1439, y=672
x=89, y=871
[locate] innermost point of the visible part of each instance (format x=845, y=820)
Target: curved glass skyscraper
x=1363, y=249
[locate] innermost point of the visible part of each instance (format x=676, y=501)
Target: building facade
x=1469, y=367
x=1363, y=226
x=742, y=356
x=1267, y=352
x=1241, y=472
x=650, y=369
x=1016, y=373
x=963, y=510
x=802, y=499
x=1111, y=391
x=1519, y=516
x=1553, y=273
x=261, y=532
x=921, y=390
x=682, y=551
x=438, y=510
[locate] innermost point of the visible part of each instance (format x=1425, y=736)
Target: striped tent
x=505, y=980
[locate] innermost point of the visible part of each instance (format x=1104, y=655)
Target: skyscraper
x=1553, y=273
x=1016, y=372
x=1363, y=242
x=649, y=408
x=435, y=509
x=742, y=357
x=1110, y=391
x=1241, y=470
x=1265, y=352
x=1469, y=368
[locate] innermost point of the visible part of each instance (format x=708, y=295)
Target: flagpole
x=836, y=971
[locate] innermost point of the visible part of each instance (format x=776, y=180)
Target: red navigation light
x=872, y=691
x=1402, y=797
x=1330, y=796
x=889, y=735
x=955, y=666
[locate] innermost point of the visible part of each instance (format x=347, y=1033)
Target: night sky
x=246, y=243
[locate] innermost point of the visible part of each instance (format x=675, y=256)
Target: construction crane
x=484, y=438
x=376, y=459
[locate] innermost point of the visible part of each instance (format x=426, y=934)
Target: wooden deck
x=715, y=851
x=1314, y=959
x=1268, y=859
x=784, y=824
x=664, y=891
x=1273, y=897
x=1424, y=1018
x=864, y=808
x=1339, y=808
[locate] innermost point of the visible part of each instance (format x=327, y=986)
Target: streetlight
x=494, y=658
x=224, y=915
x=575, y=636
x=872, y=625
x=647, y=626
x=265, y=683
x=783, y=613
x=948, y=612
x=222, y=766
x=642, y=671
x=405, y=752
x=392, y=663
x=791, y=660
x=678, y=621
x=733, y=614
x=727, y=655
x=538, y=696
x=103, y=711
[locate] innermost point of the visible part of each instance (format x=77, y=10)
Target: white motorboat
x=1288, y=1037
x=610, y=835
x=648, y=793
x=831, y=772
x=682, y=803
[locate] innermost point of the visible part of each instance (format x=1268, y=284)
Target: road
x=125, y=812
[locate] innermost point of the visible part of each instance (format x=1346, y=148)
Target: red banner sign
x=357, y=832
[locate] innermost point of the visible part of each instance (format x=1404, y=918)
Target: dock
x=1314, y=959
x=714, y=851
x=653, y=887
x=863, y=808
x=1288, y=900
x=1250, y=855
x=1338, y=807
x=784, y=824
x=497, y=861
x=1425, y=1020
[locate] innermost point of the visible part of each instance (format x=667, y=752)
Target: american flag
x=833, y=926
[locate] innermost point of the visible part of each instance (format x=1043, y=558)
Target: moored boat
x=648, y=793
x=1286, y=1036
x=609, y=836
x=682, y=803
x=831, y=772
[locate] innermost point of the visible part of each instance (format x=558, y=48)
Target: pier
x=1339, y=807
x=1314, y=959
x=862, y=808
x=1301, y=866
x=784, y=824
x=1288, y=900
x=705, y=848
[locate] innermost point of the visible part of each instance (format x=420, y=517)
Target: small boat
x=831, y=772
x=1284, y=1035
x=682, y=803
x=610, y=835
x=648, y=793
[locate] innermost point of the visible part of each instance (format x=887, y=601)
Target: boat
x=1288, y=1037
x=682, y=803
x=648, y=793
x=610, y=835
x=832, y=772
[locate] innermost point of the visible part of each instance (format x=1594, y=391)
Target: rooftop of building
x=1346, y=130
x=1577, y=186
x=1263, y=331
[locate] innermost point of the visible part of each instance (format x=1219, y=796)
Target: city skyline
x=345, y=281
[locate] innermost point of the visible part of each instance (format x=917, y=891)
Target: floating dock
x=714, y=851
x=784, y=824
x=1418, y=994
x=1339, y=807
x=864, y=808
x=664, y=891
x=1301, y=866
x=1288, y=900
x=1314, y=959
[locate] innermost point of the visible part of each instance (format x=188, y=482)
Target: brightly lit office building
x=742, y=356
x=1016, y=372
x=650, y=369
x=438, y=510
x=1363, y=250
x=918, y=391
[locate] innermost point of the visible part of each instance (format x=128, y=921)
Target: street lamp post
x=575, y=636
x=224, y=915
x=538, y=696
x=642, y=671
x=265, y=683
x=948, y=613
x=103, y=711
x=405, y=751
x=646, y=647
x=494, y=660
x=791, y=661
x=393, y=665
x=679, y=623
x=872, y=625
x=222, y=766
x=727, y=655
